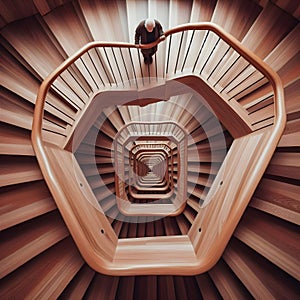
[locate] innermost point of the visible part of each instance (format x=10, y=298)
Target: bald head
x=149, y=24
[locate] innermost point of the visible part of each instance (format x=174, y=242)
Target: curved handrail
x=195, y=265
x=279, y=108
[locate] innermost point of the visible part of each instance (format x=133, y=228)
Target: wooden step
x=32, y=278
x=23, y=35
x=227, y=283
x=260, y=277
x=108, y=285
x=19, y=169
x=15, y=140
x=285, y=165
x=23, y=202
x=207, y=287
x=277, y=198
x=23, y=242
x=274, y=239
x=79, y=284
x=291, y=135
x=63, y=22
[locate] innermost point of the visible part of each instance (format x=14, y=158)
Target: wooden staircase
x=38, y=257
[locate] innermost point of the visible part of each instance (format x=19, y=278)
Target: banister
x=232, y=41
x=256, y=61
x=262, y=144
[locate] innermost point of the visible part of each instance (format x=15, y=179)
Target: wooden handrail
x=203, y=245
x=279, y=108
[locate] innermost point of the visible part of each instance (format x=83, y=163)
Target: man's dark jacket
x=141, y=32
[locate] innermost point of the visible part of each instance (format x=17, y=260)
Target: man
x=147, y=32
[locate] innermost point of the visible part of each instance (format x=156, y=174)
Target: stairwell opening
x=180, y=131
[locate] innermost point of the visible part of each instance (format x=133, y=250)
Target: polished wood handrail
x=279, y=108
x=203, y=245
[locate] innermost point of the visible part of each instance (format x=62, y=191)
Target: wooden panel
x=14, y=140
x=106, y=169
x=238, y=124
x=292, y=97
x=106, y=286
x=158, y=227
x=18, y=9
x=79, y=284
x=46, y=57
x=166, y=287
x=289, y=74
x=194, y=203
x=67, y=21
x=126, y=288
x=114, y=116
x=189, y=214
x=19, y=169
x=290, y=6
x=291, y=134
x=108, y=129
x=268, y=30
x=207, y=287
x=97, y=182
x=108, y=26
x=23, y=202
x=179, y=13
x=132, y=227
x=261, y=278
x=142, y=288
x=46, y=276
x=275, y=239
x=228, y=285
x=191, y=286
x=59, y=21
x=278, y=198
x=19, y=81
x=23, y=242
x=159, y=10
x=131, y=251
x=183, y=224
x=23, y=37
x=279, y=57
x=2, y=22
x=202, y=10
x=170, y=226
x=236, y=17
x=286, y=49
x=202, y=168
x=14, y=114
x=208, y=130
x=180, y=288
x=285, y=165
x=116, y=224
x=72, y=191
x=226, y=198
x=261, y=41
x=136, y=12
x=45, y=6
x=231, y=16
x=108, y=202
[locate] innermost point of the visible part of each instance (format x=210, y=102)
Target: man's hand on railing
x=162, y=38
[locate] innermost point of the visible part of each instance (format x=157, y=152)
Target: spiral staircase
x=39, y=258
